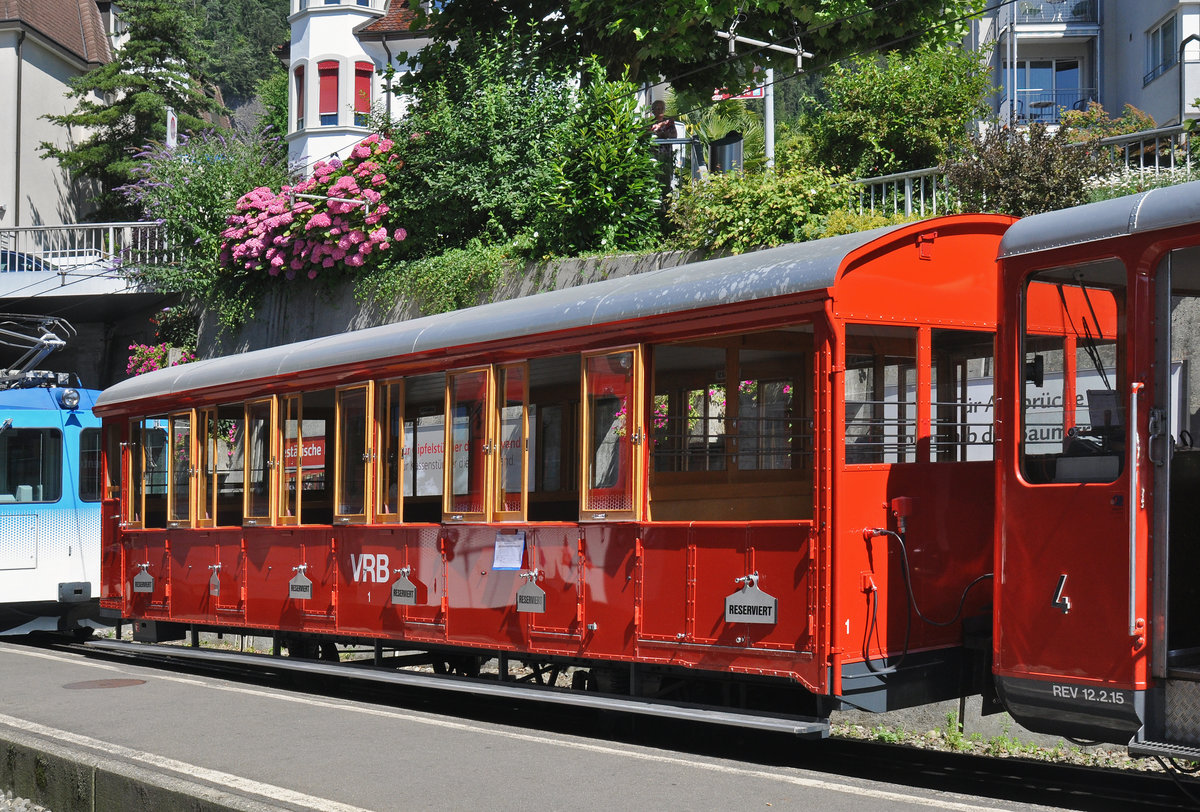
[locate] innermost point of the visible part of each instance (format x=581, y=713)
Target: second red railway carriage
x=664, y=478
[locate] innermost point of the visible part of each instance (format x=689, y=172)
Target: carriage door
x=1175, y=456
x=1068, y=599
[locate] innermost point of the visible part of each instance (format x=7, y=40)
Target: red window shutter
x=328, y=71
x=363, y=71
x=300, y=92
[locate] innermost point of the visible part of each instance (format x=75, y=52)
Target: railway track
x=1014, y=780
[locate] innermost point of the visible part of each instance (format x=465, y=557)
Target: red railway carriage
x=1097, y=622
x=739, y=481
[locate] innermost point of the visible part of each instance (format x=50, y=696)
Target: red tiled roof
x=395, y=22
x=75, y=25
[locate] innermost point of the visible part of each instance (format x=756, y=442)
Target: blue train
x=51, y=485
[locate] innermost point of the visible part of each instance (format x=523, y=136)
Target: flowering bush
x=149, y=357
x=285, y=234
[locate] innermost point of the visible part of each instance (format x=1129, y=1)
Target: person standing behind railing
x=663, y=126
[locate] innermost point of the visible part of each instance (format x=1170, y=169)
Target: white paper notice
x=510, y=551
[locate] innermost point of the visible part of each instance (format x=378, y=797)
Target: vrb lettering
x=370, y=567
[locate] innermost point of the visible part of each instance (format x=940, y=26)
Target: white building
x=1047, y=55
x=340, y=50
x=43, y=45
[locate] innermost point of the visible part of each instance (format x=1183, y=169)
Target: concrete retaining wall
x=302, y=310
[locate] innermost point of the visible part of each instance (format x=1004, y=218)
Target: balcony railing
x=1046, y=106
x=1056, y=11
x=91, y=250
x=1145, y=159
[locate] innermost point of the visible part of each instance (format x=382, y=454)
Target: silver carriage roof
x=1148, y=211
x=771, y=272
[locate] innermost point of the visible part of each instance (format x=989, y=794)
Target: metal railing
x=1056, y=11
x=1047, y=106
x=1164, y=150
x=924, y=192
x=96, y=248
x=1164, y=154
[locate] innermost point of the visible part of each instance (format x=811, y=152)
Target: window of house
x=299, y=79
x=327, y=73
x=1044, y=86
x=1161, y=45
x=363, y=73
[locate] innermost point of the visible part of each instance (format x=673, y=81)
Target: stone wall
x=303, y=309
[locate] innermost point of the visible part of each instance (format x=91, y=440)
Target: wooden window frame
x=284, y=403
x=133, y=507
x=498, y=513
x=634, y=430
x=368, y=461
x=383, y=510
x=487, y=437
x=172, y=463
x=271, y=463
x=205, y=499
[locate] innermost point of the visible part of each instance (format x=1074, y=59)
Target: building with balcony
x=43, y=45
x=338, y=59
x=1047, y=56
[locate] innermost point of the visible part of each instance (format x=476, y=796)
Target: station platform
x=88, y=733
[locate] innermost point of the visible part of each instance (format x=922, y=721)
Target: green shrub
x=449, y=281
x=875, y=116
x=739, y=212
x=478, y=146
x=844, y=221
x=606, y=193
x=1024, y=172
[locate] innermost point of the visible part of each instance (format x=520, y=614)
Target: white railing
x=922, y=192
x=101, y=248
x=1160, y=157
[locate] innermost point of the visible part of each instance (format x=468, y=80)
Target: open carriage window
x=881, y=394
x=961, y=402
x=424, y=444
x=731, y=427
x=146, y=464
x=1074, y=408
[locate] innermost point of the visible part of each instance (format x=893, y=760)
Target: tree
x=193, y=190
x=273, y=93
x=1024, y=172
x=154, y=69
x=477, y=145
x=677, y=39
x=906, y=111
x=1094, y=122
x=237, y=38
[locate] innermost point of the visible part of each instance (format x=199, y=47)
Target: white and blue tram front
x=50, y=491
